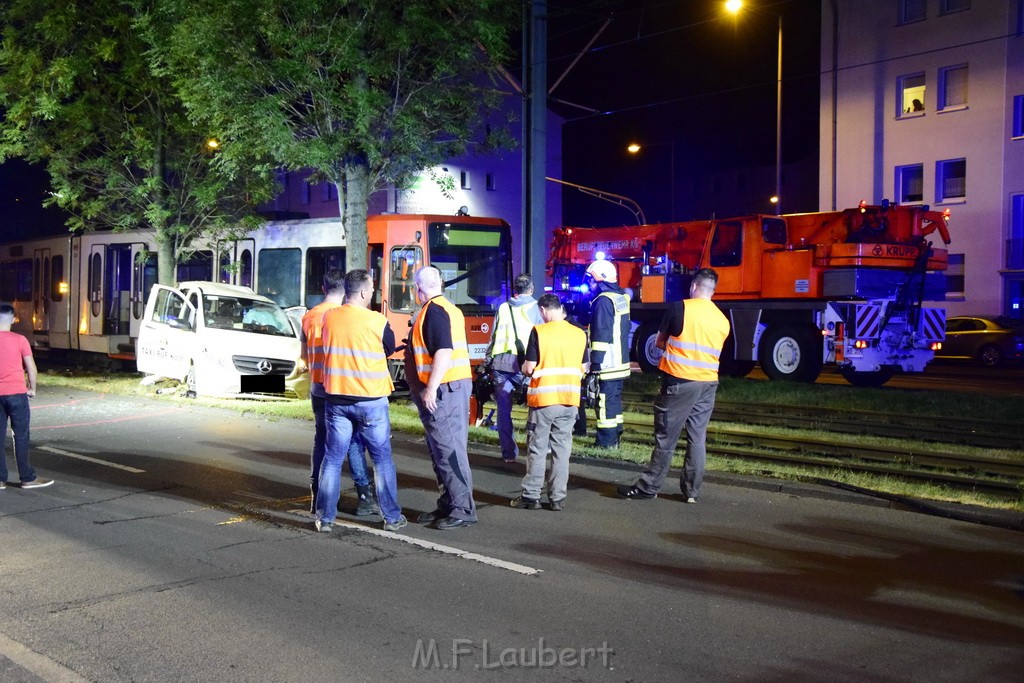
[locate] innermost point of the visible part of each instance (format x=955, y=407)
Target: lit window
x=912, y=10
x=950, y=180
x=955, y=276
x=953, y=87
x=910, y=183
x=950, y=6
x=910, y=95
x=1018, y=116
x=1015, y=247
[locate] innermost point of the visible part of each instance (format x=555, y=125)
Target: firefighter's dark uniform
x=609, y=358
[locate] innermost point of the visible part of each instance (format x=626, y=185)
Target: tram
x=86, y=294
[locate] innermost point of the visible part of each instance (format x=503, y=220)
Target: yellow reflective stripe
x=360, y=374
x=675, y=343
x=355, y=353
x=600, y=346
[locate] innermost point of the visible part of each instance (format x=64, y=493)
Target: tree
x=121, y=153
x=366, y=93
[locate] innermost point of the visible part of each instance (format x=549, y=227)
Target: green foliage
x=365, y=93
x=80, y=96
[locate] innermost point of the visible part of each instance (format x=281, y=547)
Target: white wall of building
x=876, y=135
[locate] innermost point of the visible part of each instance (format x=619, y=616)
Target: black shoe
x=523, y=503
x=453, y=523
x=558, y=505
x=634, y=492
x=367, y=504
x=430, y=517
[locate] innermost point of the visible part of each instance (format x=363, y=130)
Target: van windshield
x=246, y=315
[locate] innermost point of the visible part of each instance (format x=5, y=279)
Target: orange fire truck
x=800, y=290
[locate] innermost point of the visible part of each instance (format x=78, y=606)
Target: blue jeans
x=503, y=387
x=356, y=459
x=371, y=422
x=15, y=407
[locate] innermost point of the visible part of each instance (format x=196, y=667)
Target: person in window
x=917, y=105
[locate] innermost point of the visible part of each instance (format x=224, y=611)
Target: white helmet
x=603, y=271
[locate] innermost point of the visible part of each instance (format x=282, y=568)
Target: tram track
x=993, y=473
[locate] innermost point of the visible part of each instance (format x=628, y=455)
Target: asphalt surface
x=178, y=550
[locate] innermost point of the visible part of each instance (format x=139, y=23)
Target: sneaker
x=453, y=523
x=691, y=499
x=399, y=523
x=323, y=527
x=523, y=503
x=634, y=492
x=558, y=505
x=36, y=483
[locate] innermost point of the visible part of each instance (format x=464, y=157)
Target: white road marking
x=37, y=664
x=87, y=458
x=484, y=559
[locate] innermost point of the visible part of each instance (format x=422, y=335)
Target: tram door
x=236, y=261
x=41, y=295
x=116, y=296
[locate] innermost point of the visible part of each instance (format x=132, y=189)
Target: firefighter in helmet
x=609, y=351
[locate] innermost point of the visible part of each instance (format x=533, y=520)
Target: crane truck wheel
x=791, y=353
x=646, y=353
x=875, y=378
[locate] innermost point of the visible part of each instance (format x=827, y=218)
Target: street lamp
x=734, y=7
x=635, y=147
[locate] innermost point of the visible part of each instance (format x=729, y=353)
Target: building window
x=328, y=191
x=910, y=183
x=1018, y=116
x=912, y=10
x=951, y=6
x=910, y=95
x=464, y=180
x=1015, y=245
x=490, y=182
x=305, y=193
x=955, y=277
x=953, y=87
x=950, y=180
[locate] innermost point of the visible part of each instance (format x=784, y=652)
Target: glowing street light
x=735, y=7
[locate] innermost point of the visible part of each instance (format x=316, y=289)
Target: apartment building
x=928, y=100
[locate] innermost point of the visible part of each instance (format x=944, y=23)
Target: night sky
x=683, y=73
x=676, y=72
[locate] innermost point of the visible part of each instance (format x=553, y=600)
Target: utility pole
x=535, y=58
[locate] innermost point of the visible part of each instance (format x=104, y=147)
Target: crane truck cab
x=221, y=340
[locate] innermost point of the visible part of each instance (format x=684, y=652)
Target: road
x=173, y=547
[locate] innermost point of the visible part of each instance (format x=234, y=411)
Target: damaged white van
x=221, y=340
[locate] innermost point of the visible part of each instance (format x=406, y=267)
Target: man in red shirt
x=15, y=362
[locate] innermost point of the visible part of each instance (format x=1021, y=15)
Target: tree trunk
x=165, y=261
x=355, y=204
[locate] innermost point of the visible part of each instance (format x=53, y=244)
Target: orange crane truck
x=800, y=290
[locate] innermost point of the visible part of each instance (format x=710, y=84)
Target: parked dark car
x=989, y=341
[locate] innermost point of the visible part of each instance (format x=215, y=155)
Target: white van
x=221, y=340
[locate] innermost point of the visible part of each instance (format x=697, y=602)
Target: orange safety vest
x=693, y=355
x=312, y=330
x=556, y=379
x=354, y=360
x=460, y=352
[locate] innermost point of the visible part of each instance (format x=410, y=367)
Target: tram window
x=245, y=268
x=45, y=284
x=37, y=273
x=318, y=262
x=95, y=283
x=198, y=266
x=225, y=267
x=277, y=272
x=23, y=284
x=7, y=281
x=56, y=278
x=405, y=262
